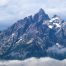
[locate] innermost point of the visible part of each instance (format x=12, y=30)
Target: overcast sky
x=12, y=10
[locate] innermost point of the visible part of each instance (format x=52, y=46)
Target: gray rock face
x=34, y=36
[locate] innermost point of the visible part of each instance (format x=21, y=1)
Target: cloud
x=3, y=2
x=34, y=62
x=12, y=10
x=56, y=50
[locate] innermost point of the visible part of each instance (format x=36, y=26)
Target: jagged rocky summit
x=34, y=36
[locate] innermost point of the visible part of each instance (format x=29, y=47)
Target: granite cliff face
x=34, y=36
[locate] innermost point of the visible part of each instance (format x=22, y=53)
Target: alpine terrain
x=34, y=36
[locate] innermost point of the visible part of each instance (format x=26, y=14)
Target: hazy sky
x=12, y=10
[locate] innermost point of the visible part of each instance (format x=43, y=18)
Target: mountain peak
x=41, y=11
x=34, y=36
x=41, y=16
x=55, y=16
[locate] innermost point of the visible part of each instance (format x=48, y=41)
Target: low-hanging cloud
x=34, y=62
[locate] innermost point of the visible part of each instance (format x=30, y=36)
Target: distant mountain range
x=34, y=36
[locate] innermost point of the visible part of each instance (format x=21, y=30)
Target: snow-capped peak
x=55, y=21
x=56, y=18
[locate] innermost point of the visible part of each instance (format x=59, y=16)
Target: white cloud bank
x=34, y=62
